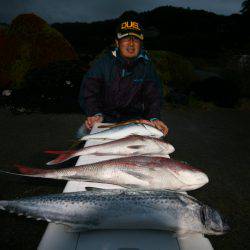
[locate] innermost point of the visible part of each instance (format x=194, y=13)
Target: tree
x=245, y=8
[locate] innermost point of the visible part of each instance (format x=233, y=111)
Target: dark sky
x=93, y=10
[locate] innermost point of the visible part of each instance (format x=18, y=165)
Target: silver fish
x=116, y=124
x=132, y=172
x=122, y=209
x=129, y=146
x=124, y=131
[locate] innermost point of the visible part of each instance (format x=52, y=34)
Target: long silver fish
x=129, y=146
x=124, y=131
x=116, y=124
x=122, y=209
x=132, y=172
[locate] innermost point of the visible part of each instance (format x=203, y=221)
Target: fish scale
x=122, y=209
x=131, y=145
x=125, y=130
x=141, y=172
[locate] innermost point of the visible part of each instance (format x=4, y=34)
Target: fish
x=122, y=209
x=125, y=123
x=138, y=172
x=129, y=146
x=124, y=131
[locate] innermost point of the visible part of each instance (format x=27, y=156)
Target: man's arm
x=90, y=95
x=152, y=93
x=153, y=99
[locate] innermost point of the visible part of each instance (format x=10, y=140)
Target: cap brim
x=121, y=35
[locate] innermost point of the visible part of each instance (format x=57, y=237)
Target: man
x=123, y=84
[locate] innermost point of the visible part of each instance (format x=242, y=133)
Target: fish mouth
x=226, y=227
x=225, y=224
x=170, y=148
x=201, y=179
x=213, y=221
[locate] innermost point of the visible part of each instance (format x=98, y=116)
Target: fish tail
x=29, y=171
x=26, y=171
x=3, y=204
x=56, y=152
x=63, y=157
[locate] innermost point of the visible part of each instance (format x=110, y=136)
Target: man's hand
x=91, y=120
x=160, y=125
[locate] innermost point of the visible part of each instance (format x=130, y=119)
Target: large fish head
x=213, y=222
x=191, y=178
x=152, y=131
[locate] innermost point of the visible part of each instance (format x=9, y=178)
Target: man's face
x=129, y=46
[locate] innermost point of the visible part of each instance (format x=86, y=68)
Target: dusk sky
x=94, y=10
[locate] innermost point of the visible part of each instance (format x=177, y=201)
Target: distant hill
x=184, y=31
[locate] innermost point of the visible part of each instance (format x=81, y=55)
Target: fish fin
x=7, y=172
x=106, y=126
x=136, y=146
x=157, y=155
x=183, y=234
x=98, y=139
x=56, y=152
x=29, y=171
x=114, y=125
x=63, y=157
x=73, y=228
x=117, y=124
x=94, y=189
x=132, y=186
x=23, y=171
x=3, y=204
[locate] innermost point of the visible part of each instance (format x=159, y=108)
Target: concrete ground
x=215, y=141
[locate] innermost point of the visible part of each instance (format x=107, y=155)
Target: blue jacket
x=121, y=89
